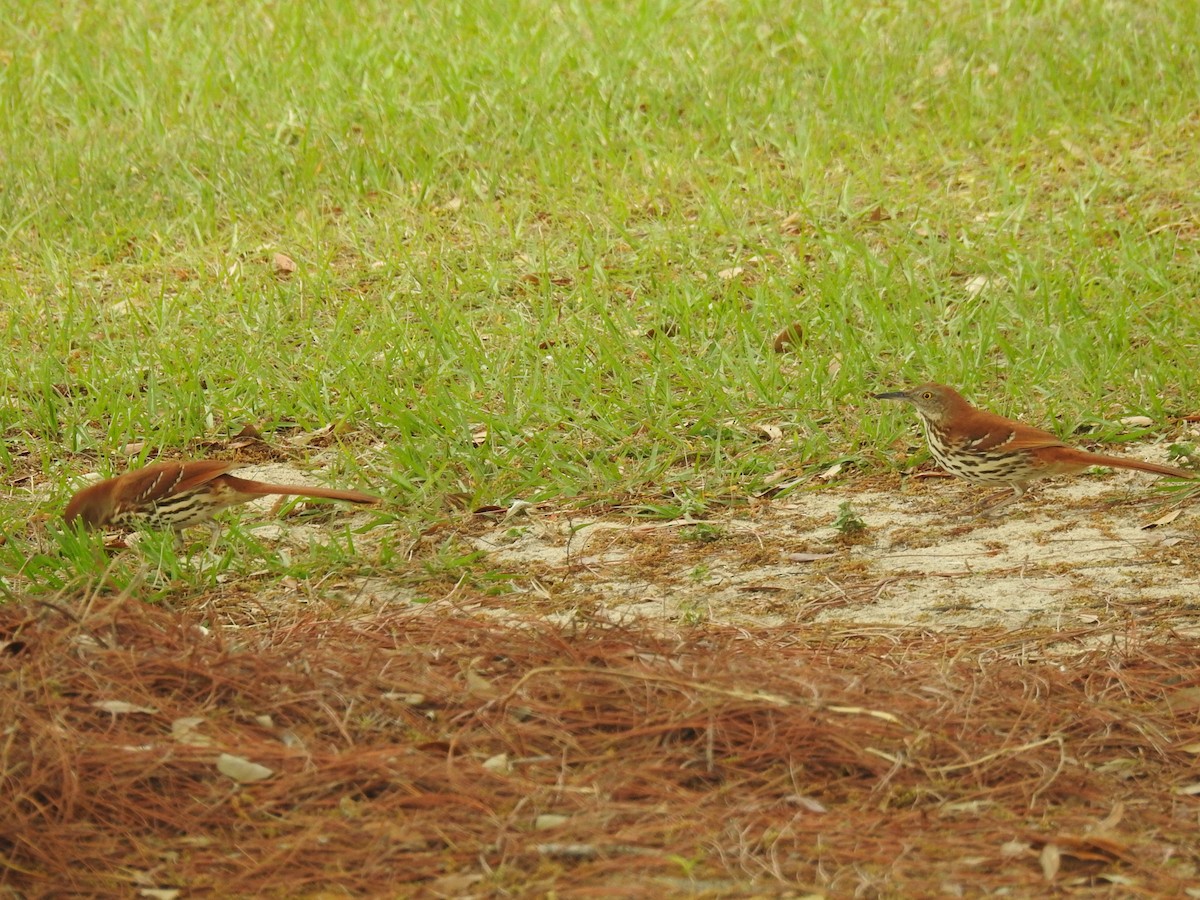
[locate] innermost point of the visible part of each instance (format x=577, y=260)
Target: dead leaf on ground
x=569, y=851
x=123, y=307
x=242, y=770
x=1050, y=859
x=1137, y=421
x=186, y=731
x=1095, y=847
x=1111, y=821
x=556, y=280
x=518, y=508
x=976, y=285
x=285, y=266
x=789, y=339
x=479, y=685
x=249, y=430
x=832, y=472
x=247, y=437
x=1013, y=849
x=766, y=432
x=122, y=706
x=305, y=438
x=1162, y=520
x=792, y=224
x=500, y=763
x=730, y=273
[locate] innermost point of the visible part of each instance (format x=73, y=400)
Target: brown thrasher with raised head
x=181, y=494
x=985, y=448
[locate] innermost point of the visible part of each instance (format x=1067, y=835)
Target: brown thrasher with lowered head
x=181, y=494
x=989, y=449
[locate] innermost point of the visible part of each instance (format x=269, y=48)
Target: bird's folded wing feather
x=1001, y=433
x=155, y=482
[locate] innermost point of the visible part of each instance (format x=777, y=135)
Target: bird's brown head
x=93, y=506
x=935, y=403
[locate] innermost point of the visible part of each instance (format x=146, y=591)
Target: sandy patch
x=1074, y=552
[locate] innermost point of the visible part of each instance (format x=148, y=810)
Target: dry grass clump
x=462, y=756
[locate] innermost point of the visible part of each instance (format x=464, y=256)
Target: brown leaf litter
x=403, y=753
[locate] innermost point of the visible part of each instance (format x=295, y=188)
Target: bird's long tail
x=1080, y=459
x=262, y=488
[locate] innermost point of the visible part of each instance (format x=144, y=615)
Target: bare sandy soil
x=1093, y=550
x=1067, y=557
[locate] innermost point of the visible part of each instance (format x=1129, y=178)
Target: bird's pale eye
x=928, y=395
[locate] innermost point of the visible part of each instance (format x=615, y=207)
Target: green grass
x=492, y=204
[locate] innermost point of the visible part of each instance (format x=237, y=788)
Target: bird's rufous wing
x=153, y=483
x=991, y=432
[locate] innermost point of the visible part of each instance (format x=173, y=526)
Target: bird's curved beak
x=892, y=395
